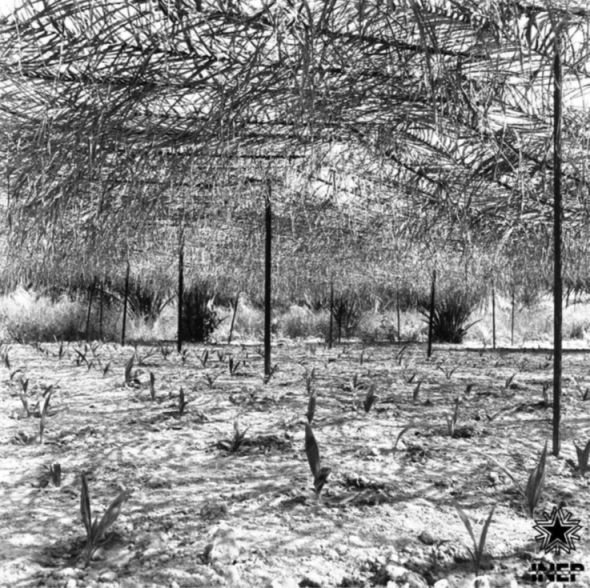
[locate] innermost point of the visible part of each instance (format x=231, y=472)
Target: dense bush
x=452, y=310
x=199, y=318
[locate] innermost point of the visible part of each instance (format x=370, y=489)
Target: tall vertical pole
x=493, y=316
x=399, y=322
x=180, y=292
x=90, y=297
x=267, y=284
x=512, y=319
x=431, y=318
x=125, y=303
x=100, y=313
x=557, y=285
x=331, y=332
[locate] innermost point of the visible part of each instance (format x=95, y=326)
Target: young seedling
x=534, y=488
x=311, y=404
x=468, y=389
x=221, y=355
x=152, y=386
x=452, y=421
x=5, y=358
x=320, y=474
x=364, y=358
x=416, y=392
x=24, y=384
x=400, y=354
x=509, y=380
x=165, y=351
x=309, y=380
x=233, y=366
x=204, y=358
x=210, y=379
x=583, y=455
x=448, y=372
x=370, y=398
x=55, y=474
x=400, y=435
x=141, y=360
x=233, y=445
x=184, y=356
x=182, y=402
x=44, y=409
x=130, y=378
x=81, y=357
x=409, y=377
x=106, y=368
x=61, y=351
x=355, y=382
x=273, y=371
x=478, y=547
x=96, y=529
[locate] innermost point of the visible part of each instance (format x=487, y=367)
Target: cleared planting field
x=203, y=509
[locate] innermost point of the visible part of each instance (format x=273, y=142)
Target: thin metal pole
x=267, y=285
x=180, y=293
x=431, y=318
x=331, y=332
x=557, y=277
x=493, y=316
x=125, y=304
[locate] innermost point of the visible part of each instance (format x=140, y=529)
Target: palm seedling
x=533, y=491
x=478, y=547
x=370, y=398
x=182, y=402
x=237, y=439
x=509, y=380
x=309, y=380
x=583, y=455
x=44, y=409
x=130, y=377
x=448, y=372
x=273, y=370
x=204, y=357
x=233, y=366
x=311, y=404
x=320, y=474
x=452, y=420
x=96, y=529
x=210, y=380
x=416, y=392
x=400, y=354
x=401, y=434
x=152, y=386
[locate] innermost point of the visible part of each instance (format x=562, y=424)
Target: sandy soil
x=199, y=514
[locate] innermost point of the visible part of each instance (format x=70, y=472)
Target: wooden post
x=493, y=316
x=233, y=318
x=512, y=320
x=431, y=318
x=180, y=293
x=125, y=304
x=399, y=327
x=557, y=277
x=331, y=331
x=267, y=286
x=100, y=311
x=90, y=297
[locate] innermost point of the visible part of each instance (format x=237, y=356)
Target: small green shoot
x=55, y=474
x=106, y=369
x=534, y=488
x=210, y=380
x=320, y=474
x=233, y=445
x=478, y=548
x=221, y=355
x=311, y=404
x=182, y=402
x=583, y=455
x=355, y=382
x=130, y=378
x=468, y=389
x=152, y=386
x=416, y=392
x=309, y=380
x=44, y=409
x=452, y=421
x=448, y=372
x=400, y=354
x=273, y=370
x=4, y=357
x=95, y=529
x=165, y=351
x=233, y=366
x=509, y=380
x=401, y=434
x=204, y=358
x=370, y=398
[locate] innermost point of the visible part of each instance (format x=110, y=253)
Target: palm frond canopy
x=122, y=109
